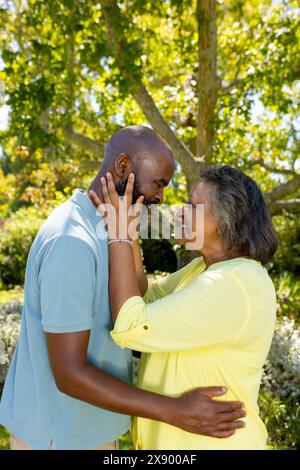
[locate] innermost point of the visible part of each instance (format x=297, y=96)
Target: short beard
x=121, y=188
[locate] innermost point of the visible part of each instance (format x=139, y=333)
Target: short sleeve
x=211, y=311
x=67, y=285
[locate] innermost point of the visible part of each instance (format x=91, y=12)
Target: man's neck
x=96, y=186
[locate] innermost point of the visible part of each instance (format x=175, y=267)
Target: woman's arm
x=123, y=282
x=211, y=311
x=139, y=268
x=138, y=261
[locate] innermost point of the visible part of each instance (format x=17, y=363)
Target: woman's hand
x=121, y=217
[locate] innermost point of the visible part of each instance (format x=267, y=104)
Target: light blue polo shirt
x=66, y=290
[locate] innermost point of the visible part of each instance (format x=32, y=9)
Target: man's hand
x=198, y=413
x=193, y=411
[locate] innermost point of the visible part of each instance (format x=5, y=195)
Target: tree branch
x=70, y=79
x=181, y=152
x=235, y=83
x=278, y=171
x=82, y=141
x=284, y=189
x=123, y=55
x=292, y=205
x=74, y=138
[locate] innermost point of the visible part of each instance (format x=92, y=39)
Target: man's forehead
x=155, y=164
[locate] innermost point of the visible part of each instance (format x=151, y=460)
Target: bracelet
x=119, y=240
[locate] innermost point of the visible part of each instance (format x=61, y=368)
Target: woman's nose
x=160, y=196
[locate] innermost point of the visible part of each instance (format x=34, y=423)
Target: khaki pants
x=17, y=444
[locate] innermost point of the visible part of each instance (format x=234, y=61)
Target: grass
x=4, y=438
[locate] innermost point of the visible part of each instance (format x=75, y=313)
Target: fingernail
x=224, y=389
x=102, y=179
x=131, y=175
x=108, y=175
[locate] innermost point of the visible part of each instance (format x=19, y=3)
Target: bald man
x=68, y=386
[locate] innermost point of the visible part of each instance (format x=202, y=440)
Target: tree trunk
x=207, y=82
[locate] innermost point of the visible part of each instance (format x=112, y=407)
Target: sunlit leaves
x=58, y=69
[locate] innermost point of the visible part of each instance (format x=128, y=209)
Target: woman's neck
x=214, y=256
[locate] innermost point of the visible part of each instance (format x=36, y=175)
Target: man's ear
x=122, y=165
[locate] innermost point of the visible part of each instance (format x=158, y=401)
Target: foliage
x=60, y=74
x=4, y=438
x=158, y=255
x=125, y=442
x=281, y=374
x=287, y=257
x=288, y=295
x=281, y=418
x=9, y=334
x=16, y=237
x=11, y=297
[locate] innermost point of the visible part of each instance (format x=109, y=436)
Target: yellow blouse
x=200, y=328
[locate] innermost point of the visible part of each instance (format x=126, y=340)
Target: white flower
x=282, y=369
x=2, y=353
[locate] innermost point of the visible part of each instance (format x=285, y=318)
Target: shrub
x=281, y=418
x=9, y=334
x=16, y=237
x=280, y=390
x=11, y=303
x=281, y=374
x=287, y=257
x=159, y=255
x=287, y=288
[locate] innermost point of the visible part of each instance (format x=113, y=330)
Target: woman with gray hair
x=210, y=322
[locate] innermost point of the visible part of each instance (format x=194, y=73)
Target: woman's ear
x=123, y=165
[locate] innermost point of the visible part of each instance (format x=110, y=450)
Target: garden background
x=219, y=80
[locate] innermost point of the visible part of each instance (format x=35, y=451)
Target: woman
x=211, y=322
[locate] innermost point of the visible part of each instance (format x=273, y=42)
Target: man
x=68, y=384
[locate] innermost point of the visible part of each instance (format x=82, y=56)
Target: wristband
x=119, y=240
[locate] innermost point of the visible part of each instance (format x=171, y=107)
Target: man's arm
x=193, y=411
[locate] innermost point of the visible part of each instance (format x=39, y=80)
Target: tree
x=75, y=71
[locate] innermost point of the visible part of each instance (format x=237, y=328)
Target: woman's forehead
x=200, y=192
